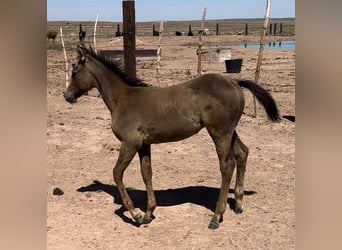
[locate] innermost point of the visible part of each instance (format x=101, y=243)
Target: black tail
x=264, y=97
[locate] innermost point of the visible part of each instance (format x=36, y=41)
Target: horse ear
x=81, y=54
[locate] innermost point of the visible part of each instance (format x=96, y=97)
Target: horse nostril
x=69, y=98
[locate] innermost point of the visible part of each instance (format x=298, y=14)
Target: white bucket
x=225, y=54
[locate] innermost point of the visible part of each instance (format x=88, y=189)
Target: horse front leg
x=146, y=172
x=125, y=157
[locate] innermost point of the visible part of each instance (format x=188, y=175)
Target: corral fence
x=107, y=30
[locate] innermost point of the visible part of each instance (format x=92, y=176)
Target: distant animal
x=156, y=33
x=204, y=32
x=143, y=115
x=178, y=33
x=118, y=33
x=52, y=35
x=82, y=35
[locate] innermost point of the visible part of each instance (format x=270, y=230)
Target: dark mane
x=117, y=68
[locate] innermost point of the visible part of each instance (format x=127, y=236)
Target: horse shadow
x=199, y=195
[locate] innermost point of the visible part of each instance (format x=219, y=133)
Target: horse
x=156, y=33
x=142, y=115
x=51, y=35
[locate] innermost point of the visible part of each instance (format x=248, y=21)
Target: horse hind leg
x=227, y=165
x=240, y=153
x=146, y=172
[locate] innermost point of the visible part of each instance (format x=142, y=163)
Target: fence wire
x=106, y=33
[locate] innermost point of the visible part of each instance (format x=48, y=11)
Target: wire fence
x=282, y=27
x=107, y=31
x=106, y=34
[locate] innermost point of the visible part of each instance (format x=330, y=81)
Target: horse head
x=81, y=80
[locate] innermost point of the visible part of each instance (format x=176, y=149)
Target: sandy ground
x=81, y=152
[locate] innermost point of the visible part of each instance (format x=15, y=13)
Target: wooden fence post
x=217, y=29
x=80, y=32
x=199, y=50
x=161, y=28
x=190, y=31
x=97, y=17
x=65, y=58
x=118, y=32
x=129, y=37
x=261, y=49
x=246, y=29
x=275, y=29
x=281, y=28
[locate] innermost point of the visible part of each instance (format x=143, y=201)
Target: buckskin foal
x=143, y=115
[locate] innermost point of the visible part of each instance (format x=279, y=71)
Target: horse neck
x=112, y=89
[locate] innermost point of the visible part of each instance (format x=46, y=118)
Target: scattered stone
x=58, y=191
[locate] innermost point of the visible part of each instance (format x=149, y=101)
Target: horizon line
x=189, y=20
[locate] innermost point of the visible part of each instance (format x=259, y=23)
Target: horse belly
x=170, y=118
x=168, y=131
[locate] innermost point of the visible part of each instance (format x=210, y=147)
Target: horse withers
x=143, y=115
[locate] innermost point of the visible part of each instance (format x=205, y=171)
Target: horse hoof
x=213, y=225
x=141, y=220
x=138, y=218
x=238, y=210
x=146, y=220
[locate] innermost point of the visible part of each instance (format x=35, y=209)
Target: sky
x=166, y=10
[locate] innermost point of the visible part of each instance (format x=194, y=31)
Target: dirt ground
x=81, y=152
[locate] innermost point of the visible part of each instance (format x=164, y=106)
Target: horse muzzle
x=69, y=98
